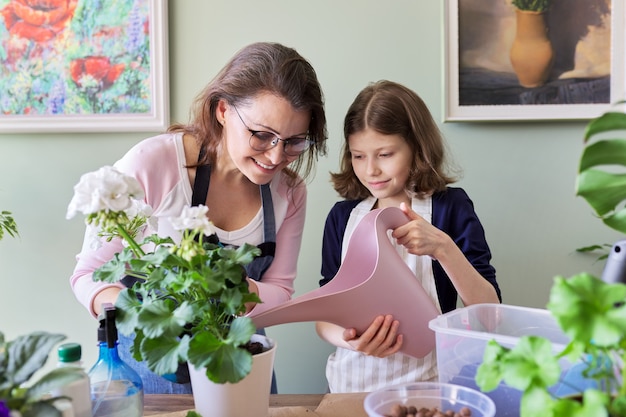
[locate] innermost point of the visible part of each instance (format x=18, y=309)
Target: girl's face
x=382, y=164
x=265, y=113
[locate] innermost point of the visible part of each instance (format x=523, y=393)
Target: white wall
x=520, y=175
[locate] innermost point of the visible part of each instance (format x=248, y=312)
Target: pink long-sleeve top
x=158, y=163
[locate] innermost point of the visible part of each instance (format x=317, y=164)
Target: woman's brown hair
x=261, y=68
x=390, y=108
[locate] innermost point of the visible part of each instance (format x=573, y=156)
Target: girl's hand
x=381, y=338
x=420, y=237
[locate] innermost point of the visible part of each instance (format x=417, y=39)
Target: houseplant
x=20, y=359
x=590, y=311
x=189, y=298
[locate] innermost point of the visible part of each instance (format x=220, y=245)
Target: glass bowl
x=429, y=395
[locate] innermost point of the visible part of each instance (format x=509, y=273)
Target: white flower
x=193, y=218
x=106, y=189
x=141, y=210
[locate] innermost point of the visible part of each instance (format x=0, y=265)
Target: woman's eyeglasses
x=263, y=141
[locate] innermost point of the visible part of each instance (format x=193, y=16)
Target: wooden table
x=169, y=403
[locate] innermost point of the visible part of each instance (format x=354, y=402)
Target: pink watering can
x=372, y=280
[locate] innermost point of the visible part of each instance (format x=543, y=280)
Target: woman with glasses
x=254, y=135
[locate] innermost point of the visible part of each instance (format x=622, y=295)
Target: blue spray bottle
x=116, y=388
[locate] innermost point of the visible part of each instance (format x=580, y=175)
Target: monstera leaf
x=601, y=177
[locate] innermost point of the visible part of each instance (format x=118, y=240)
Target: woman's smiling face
x=269, y=113
x=382, y=163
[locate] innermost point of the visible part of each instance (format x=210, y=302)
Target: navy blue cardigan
x=453, y=213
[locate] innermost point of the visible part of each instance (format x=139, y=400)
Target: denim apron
x=178, y=383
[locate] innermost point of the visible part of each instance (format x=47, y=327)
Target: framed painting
x=492, y=75
x=83, y=66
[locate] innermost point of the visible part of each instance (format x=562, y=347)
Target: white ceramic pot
x=248, y=397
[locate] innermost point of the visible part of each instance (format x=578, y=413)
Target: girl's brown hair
x=393, y=109
x=261, y=68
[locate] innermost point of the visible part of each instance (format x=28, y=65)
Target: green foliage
x=19, y=360
x=186, y=308
x=601, y=179
x=532, y=5
x=593, y=314
x=7, y=224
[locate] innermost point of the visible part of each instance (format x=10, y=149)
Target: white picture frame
x=459, y=108
x=126, y=91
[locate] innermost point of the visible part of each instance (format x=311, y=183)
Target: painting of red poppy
x=83, y=65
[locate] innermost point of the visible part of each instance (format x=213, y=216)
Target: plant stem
x=131, y=242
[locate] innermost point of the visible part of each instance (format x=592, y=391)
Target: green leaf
x=127, y=311
x=617, y=220
x=162, y=354
x=224, y=361
x=603, y=152
x=607, y=122
x=618, y=405
x=594, y=403
x=51, y=381
x=7, y=224
x=537, y=402
x=115, y=269
x=241, y=330
x=488, y=376
x=602, y=190
x=229, y=364
x=41, y=409
x=26, y=355
x=593, y=248
x=201, y=346
x=589, y=310
x=531, y=363
x=489, y=373
x=162, y=317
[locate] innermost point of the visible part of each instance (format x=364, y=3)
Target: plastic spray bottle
x=116, y=388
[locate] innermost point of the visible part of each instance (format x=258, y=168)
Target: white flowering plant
x=189, y=298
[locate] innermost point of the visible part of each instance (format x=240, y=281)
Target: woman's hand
x=108, y=295
x=381, y=338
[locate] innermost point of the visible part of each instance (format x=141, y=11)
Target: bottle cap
x=69, y=352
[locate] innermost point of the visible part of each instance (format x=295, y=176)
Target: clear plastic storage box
x=462, y=334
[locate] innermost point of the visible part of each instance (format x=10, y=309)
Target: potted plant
x=189, y=298
x=589, y=310
x=20, y=359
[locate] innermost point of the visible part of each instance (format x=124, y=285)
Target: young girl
x=394, y=156
x=255, y=133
